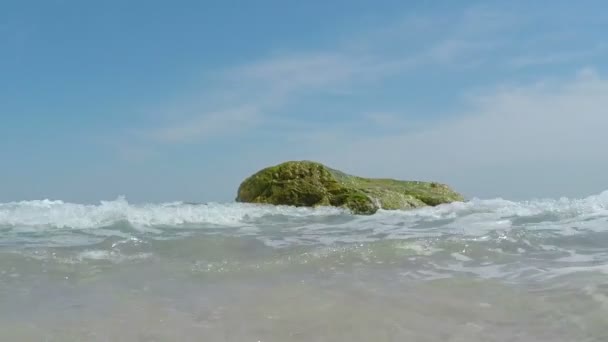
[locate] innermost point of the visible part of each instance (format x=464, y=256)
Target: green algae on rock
x=309, y=184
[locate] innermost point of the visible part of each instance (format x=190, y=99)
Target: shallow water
x=485, y=270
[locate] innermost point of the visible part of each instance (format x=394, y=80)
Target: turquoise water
x=484, y=270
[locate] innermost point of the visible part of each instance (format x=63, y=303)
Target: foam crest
x=493, y=238
x=475, y=217
x=595, y=205
x=59, y=214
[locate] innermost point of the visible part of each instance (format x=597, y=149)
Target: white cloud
x=519, y=127
x=556, y=57
x=212, y=124
x=298, y=71
x=255, y=89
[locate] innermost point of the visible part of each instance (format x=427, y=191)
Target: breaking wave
x=57, y=223
x=59, y=214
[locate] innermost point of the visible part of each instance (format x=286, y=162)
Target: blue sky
x=181, y=100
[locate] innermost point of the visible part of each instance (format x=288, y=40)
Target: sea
x=481, y=270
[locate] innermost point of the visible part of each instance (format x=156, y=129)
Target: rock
x=309, y=184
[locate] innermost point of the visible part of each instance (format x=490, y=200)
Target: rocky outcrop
x=306, y=183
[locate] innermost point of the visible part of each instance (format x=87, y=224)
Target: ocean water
x=484, y=270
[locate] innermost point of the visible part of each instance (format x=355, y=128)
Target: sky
x=181, y=100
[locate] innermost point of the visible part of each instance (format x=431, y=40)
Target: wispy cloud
x=263, y=86
x=210, y=125
x=551, y=132
x=557, y=57
x=301, y=71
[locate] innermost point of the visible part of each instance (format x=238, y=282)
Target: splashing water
x=483, y=270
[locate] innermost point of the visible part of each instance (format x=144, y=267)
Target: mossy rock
x=309, y=184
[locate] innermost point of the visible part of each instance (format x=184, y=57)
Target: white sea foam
x=596, y=205
x=506, y=265
x=24, y=223
x=112, y=256
x=71, y=215
x=60, y=214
